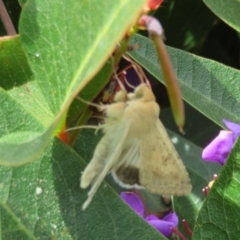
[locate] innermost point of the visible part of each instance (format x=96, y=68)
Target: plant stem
x=6, y=20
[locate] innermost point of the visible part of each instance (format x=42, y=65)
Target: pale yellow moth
x=136, y=149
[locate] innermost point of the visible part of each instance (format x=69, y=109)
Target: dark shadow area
x=223, y=45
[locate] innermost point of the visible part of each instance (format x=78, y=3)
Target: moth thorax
x=115, y=110
x=130, y=96
x=143, y=92
x=143, y=117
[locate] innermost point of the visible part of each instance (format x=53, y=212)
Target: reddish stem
x=182, y=237
x=186, y=227
x=6, y=20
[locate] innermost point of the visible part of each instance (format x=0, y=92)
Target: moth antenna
x=119, y=81
x=141, y=73
x=125, y=79
x=138, y=69
x=128, y=83
x=135, y=67
x=116, y=76
x=125, y=69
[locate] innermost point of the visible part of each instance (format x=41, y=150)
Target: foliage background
x=62, y=46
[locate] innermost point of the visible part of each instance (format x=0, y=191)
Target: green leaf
x=42, y=200
x=22, y=136
x=228, y=11
x=14, y=69
x=200, y=173
x=210, y=87
x=65, y=47
x=90, y=91
x=187, y=207
x=219, y=216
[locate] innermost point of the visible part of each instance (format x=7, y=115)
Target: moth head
x=130, y=96
x=115, y=110
x=120, y=96
x=144, y=92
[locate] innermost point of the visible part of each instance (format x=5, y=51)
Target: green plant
x=63, y=48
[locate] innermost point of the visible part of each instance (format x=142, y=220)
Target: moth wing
x=97, y=162
x=161, y=169
x=112, y=128
x=112, y=157
x=126, y=173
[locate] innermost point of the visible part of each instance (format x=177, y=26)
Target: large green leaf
x=42, y=200
x=65, y=47
x=228, y=11
x=210, y=87
x=219, y=216
x=66, y=43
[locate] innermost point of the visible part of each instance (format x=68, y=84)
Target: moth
x=136, y=149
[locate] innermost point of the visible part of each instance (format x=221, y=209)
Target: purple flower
x=219, y=149
x=164, y=225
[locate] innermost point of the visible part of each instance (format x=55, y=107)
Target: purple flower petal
x=134, y=202
x=172, y=217
x=162, y=226
x=233, y=127
x=151, y=217
x=219, y=148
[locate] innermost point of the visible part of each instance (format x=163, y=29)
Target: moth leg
x=86, y=126
x=110, y=163
x=96, y=164
x=106, y=145
x=90, y=172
